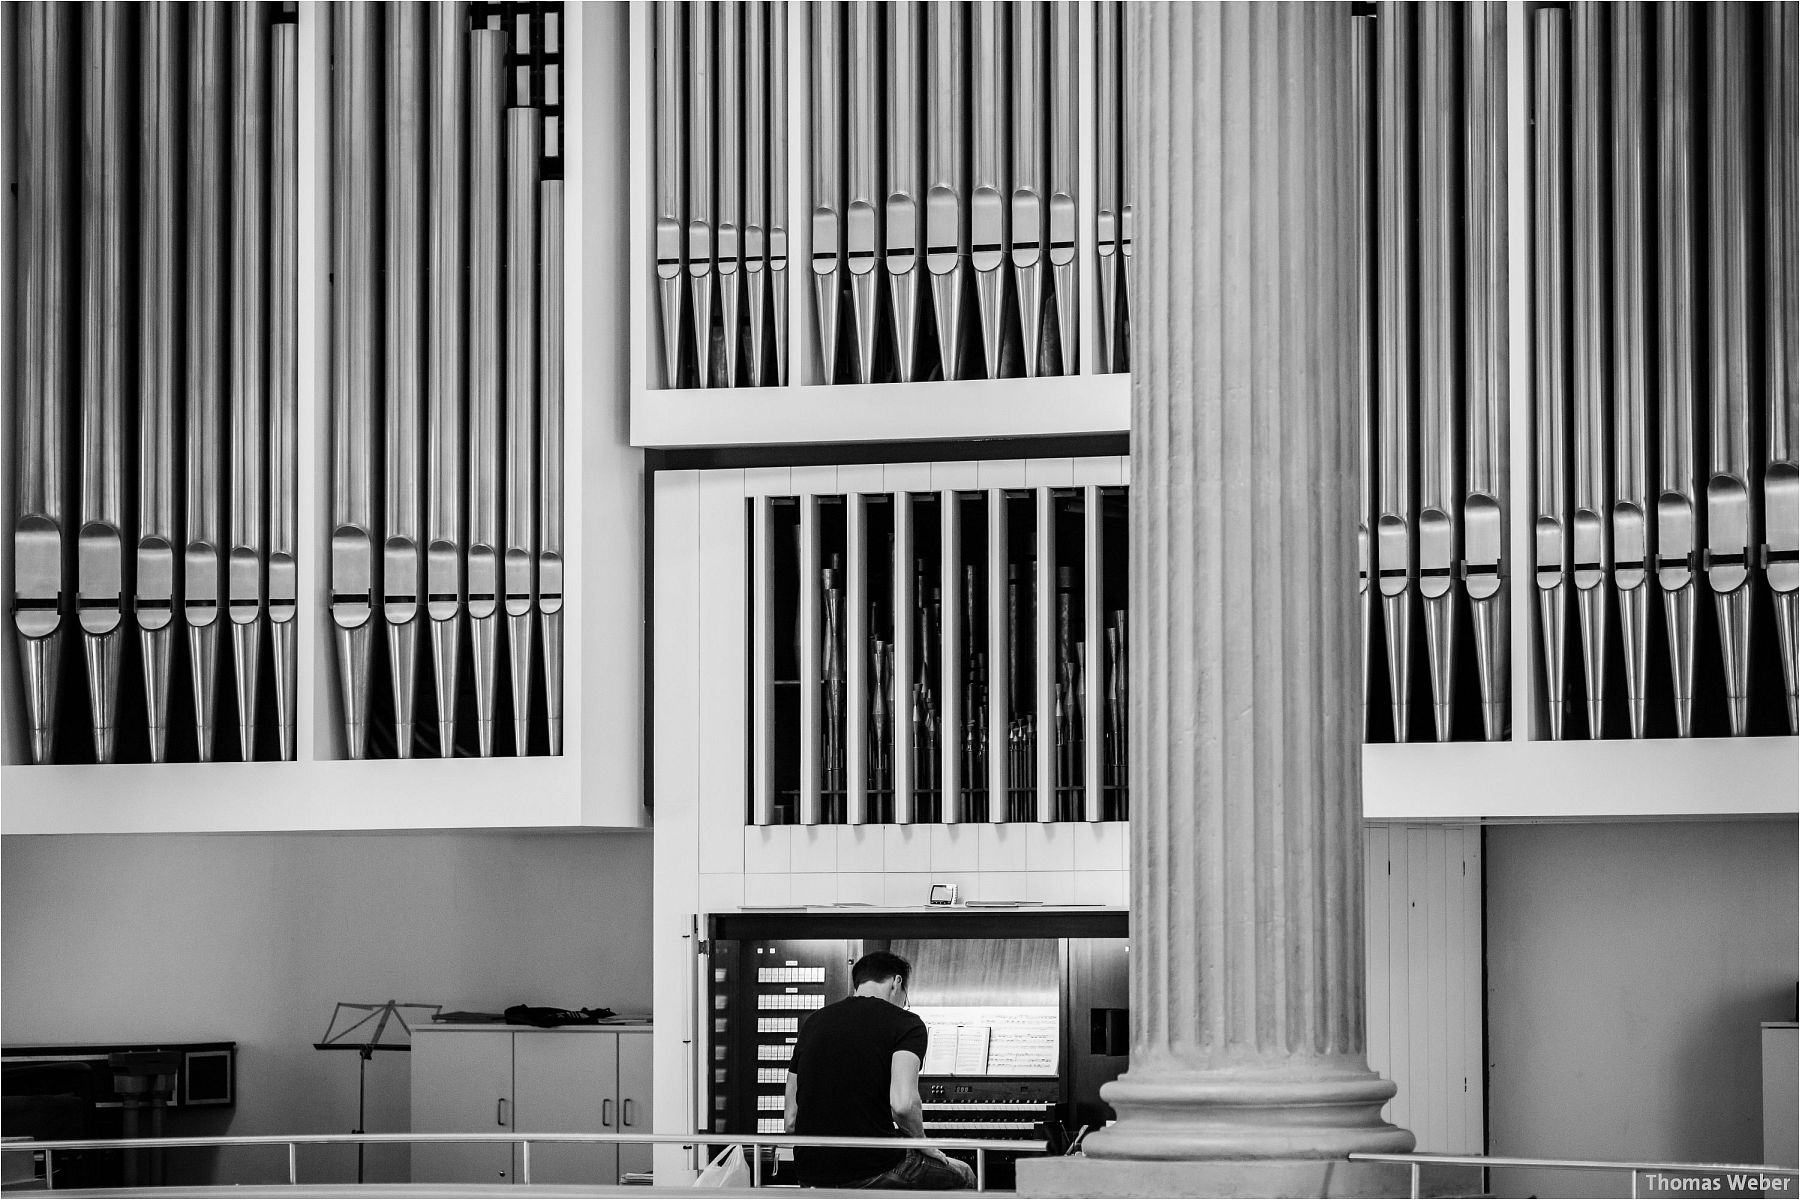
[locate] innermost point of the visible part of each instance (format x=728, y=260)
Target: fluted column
x=1247, y=996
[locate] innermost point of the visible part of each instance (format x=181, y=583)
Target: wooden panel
x=810, y=720
x=1093, y=636
x=566, y=1082
x=903, y=657
x=1424, y=980
x=950, y=655
x=999, y=703
x=856, y=642
x=1045, y=675
x=722, y=647
x=762, y=660
x=462, y=1083
x=975, y=971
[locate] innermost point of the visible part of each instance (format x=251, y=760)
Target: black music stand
x=366, y=1028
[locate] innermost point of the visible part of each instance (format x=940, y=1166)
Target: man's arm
x=790, y=1115
x=903, y=1097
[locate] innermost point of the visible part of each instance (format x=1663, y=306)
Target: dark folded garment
x=469, y=1018
x=549, y=1018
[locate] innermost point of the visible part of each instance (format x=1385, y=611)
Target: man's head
x=882, y=975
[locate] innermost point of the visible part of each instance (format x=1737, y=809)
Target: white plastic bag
x=727, y=1170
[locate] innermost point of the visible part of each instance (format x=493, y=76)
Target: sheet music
x=991, y=1040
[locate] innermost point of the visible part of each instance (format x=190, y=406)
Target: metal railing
x=524, y=1141
x=1419, y=1161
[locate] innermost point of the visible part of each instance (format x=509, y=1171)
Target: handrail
x=1417, y=1161
x=293, y=1141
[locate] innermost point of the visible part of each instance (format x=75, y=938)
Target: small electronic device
x=943, y=894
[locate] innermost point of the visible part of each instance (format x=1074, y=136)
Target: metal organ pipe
x=864, y=201
x=550, y=471
x=42, y=547
x=487, y=84
x=1397, y=564
x=1030, y=167
x=284, y=423
x=778, y=184
x=702, y=114
x=1551, y=519
x=524, y=148
x=1362, y=97
x=355, y=582
x=402, y=574
x=946, y=217
x=100, y=551
x=756, y=183
x=247, y=525
x=1064, y=171
x=827, y=201
x=1631, y=368
x=1106, y=179
x=1485, y=484
x=1781, y=474
x=1678, y=305
x=1730, y=519
x=1591, y=545
x=1439, y=411
x=990, y=216
x=159, y=391
x=730, y=118
x=670, y=138
x=903, y=218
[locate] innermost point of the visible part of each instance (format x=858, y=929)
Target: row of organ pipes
x=939, y=657
x=154, y=395
x=1666, y=292
x=941, y=145
x=1663, y=351
x=446, y=498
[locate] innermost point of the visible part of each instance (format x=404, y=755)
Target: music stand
x=365, y=1028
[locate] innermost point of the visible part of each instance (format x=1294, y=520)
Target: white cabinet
x=511, y=1079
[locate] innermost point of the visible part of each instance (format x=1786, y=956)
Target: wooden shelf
x=1582, y=781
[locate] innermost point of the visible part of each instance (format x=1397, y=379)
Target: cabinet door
x=566, y=1082
x=462, y=1083
x=634, y=1099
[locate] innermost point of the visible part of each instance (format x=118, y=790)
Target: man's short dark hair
x=878, y=967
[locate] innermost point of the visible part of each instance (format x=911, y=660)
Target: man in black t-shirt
x=855, y=1073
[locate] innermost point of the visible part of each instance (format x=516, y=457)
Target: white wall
x=254, y=937
x=1628, y=968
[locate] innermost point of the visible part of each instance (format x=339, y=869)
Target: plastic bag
x=727, y=1170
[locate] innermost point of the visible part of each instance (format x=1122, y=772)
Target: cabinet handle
x=500, y=1112
x=606, y=1114
x=626, y=1110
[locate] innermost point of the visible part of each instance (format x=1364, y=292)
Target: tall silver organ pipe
x=1677, y=310
x=1630, y=370
x=100, y=595
x=1730, y=519
x=355, y=580
x=202, y=585
x=487, y=92
x=402, y=571
x=1439, y=388
x=42, y=547
x=827, y=200
x=1590, y=541
x=946, y=197
x=1397, y=563
x=1551, y=518
x=445, y=382
x=284, y=383
x=755, y=184
x=990, y=217
x=249, y=401
x=1487, y=429
x=159, y=391
x=1781, y=475
x=904, y=217
x=1107, y=102
x=670, y=139
x=1030, y=168
x=778, y=186
x=1362, y=98
x=550, y=471
x=524, y=148
x=702, y=114
x=863, y=202
x=1065, y=57
x=730, y=118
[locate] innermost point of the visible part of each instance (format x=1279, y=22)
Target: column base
x=1320, y=1177
x=1298, y=1110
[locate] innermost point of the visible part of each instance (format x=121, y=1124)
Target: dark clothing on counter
x=842, y=1061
